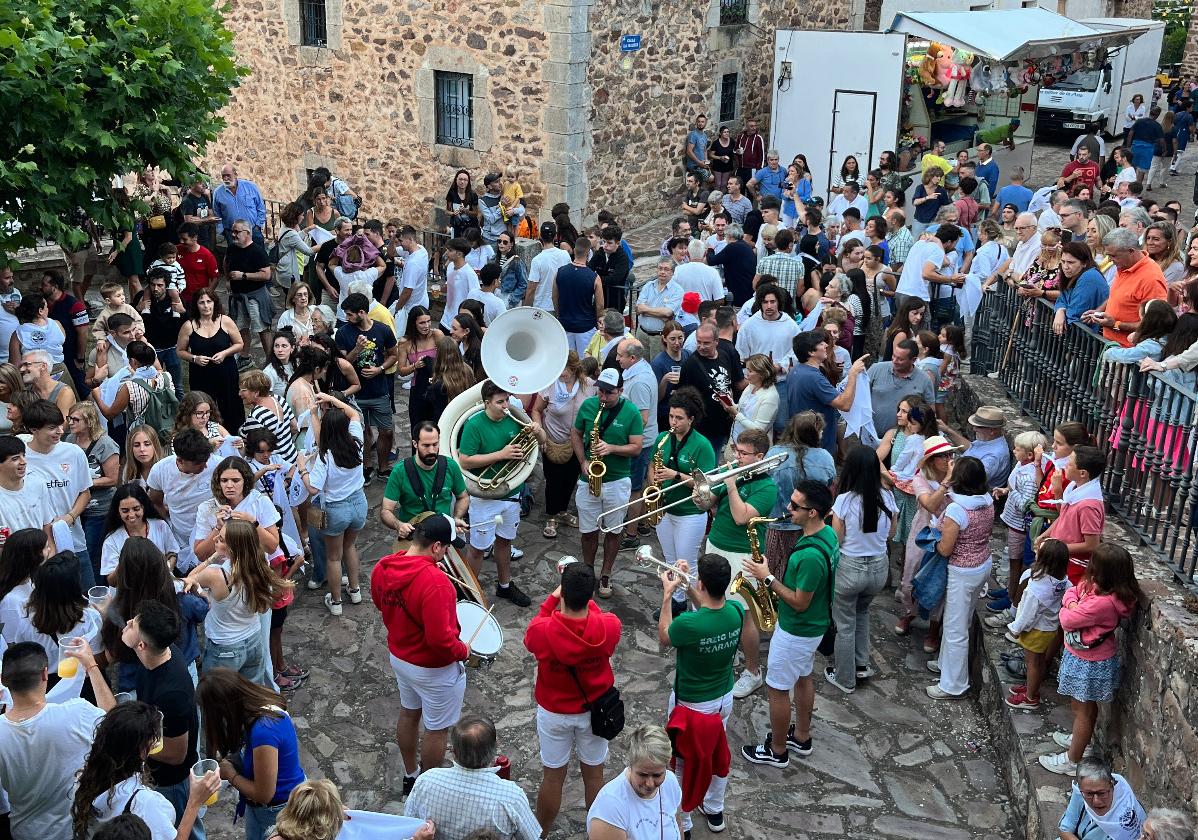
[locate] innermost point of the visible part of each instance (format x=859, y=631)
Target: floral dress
x=1040, y=277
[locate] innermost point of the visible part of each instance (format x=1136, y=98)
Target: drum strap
x=414, y=479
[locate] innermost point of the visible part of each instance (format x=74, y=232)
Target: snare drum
x=476, y=622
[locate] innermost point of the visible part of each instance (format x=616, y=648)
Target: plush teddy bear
x=927, y=66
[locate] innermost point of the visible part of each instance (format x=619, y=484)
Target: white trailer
x=1095, y=100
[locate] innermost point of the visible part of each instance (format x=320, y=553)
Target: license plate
x=1074, y=125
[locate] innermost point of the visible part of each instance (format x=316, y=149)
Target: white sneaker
x=1063, y=739
x=334, y=607
x=934, y=666
x=997, y=620
x=313, y=585
x=1059, y=764
x=516, y=553
x=355, y=595
x=747, y=684
x=345, y=580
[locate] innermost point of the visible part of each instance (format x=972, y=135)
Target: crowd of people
x=156, y=519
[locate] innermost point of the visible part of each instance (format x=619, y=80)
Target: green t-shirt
x=807, y=571
x=623, y=426
x=410, y=503
x=481, y=436
x=758, y=493
x=706, y=640
x=694, y=454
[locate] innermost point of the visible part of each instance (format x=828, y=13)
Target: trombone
x=702, y=494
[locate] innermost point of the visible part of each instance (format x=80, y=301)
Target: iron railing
x=313, y=23
x=734, y=12
x=728, y=96
x=1143, y=423
x=454, y=104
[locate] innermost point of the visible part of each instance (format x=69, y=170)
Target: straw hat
x=937, y=445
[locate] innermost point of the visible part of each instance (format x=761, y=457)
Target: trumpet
x=644, y=559
x=526, y=441
x=702, y=494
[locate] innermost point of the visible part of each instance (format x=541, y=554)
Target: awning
x=1012, y=35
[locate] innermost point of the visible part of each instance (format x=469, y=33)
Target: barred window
x=733, y=12
x=313, y=23
x=454, y=95
x=728, y=91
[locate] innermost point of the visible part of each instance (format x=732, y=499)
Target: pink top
x=1092, y=615
x=973, y=543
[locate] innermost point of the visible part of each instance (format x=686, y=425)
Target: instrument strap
x=413, y=473
x=611, y=417
x=676, y=448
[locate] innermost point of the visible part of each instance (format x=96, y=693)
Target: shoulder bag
x=607, y=712
x=318, y=517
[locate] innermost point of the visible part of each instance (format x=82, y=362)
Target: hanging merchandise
x=979, y=78
x=954, y=96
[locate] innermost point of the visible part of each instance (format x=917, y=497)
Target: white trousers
x=713, y=800
x=681, y=537
x=963, y=588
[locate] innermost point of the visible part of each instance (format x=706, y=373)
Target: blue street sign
x=630, y=43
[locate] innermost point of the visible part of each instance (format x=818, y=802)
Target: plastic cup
x=675, y=369
x=99, y=597
x=68, y=665
x=157, y=746
x=200, y=769
x=565, y=561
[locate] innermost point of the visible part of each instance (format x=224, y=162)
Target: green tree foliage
x=1173, y=46
x=98, y=88
x=1176, y=15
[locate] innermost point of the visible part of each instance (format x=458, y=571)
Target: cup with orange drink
x=202, y=768
x=156, y=747
x=68, y=665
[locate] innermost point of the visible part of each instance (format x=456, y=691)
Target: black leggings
x=560, y=480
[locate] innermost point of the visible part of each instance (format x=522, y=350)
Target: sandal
x=550, y=530
x=295, y=672
x=568, y=519
x=286, y=684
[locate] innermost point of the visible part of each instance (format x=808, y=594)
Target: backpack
x=161, y=407
x=528, y=228
x=346, y=205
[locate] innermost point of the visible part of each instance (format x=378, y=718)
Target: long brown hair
x=451, y=369
x=132, y=469
x=230, y=705
x=261, y=585
x=1113, y=572
x=122, y=740
x=141, y=575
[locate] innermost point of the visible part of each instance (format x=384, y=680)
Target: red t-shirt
x=1074, y=524
x=1088, y=176
x=199, y=268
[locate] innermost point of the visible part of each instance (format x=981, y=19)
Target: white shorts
x=560, y=734
x=790, y=659
x=485, y=510
x=613, y=494
x=436, y=692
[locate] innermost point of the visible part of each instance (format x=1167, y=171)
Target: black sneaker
x=800, y=748
x=513, y=593
x=630, y=542
x=677, y=608
x=715, y=820
x=408, y=783
x=762, y=754
x=645, y=531
x=686, y=835
x=368, y=474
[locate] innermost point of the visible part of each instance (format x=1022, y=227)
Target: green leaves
x=97, y=88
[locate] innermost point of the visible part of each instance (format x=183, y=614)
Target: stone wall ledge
x=1148, y=733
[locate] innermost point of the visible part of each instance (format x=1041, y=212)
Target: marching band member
x=705, y=642
x=608, y=428
x=418, y=603
x=486, y=444
x=682, y=527
x=427, y=481
x=742, y=498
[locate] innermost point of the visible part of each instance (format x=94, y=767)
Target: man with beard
x=427, y=481
x=162, y=318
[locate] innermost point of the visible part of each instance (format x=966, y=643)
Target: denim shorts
x=345, y=515
x=639, y=468
x=377, y=412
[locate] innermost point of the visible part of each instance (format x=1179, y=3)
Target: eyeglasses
x=793, y=506
x=742, y=453
x=1025, y=227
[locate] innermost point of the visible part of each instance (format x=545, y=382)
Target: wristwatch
x=768, y=581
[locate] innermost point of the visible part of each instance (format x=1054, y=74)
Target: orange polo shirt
x=1143, y=281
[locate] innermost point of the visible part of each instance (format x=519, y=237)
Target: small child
x=1035, y=625
x=952, y=346
x=920, y=425
x=114, y=302
x=512, y=193
x=928, y=361
x=590, y=368
x=286, y=561
x=1089, y=673
x=1020, y=493
x=168, y=259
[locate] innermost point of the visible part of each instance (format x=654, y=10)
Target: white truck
x=1096, y=99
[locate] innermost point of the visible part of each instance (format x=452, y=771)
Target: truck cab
x=1079, y=102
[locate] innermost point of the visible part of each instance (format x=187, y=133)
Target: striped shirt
x=261, y=417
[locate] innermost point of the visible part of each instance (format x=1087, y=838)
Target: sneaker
x=334, y=607
x=1017, y=689
x=937, y=693
x=996, y=621
x=902, y=627
x=994, y=594
x=1059, y=764
x=516, y=553
x=345, y=580
x=934, y=666
x=409, y=782
x=830, y=676
x=315, y=584
x=1010, y=637
x=762, y=754
x=999, y=605
x=605, y=589
x=1021, y=701
x=801, y=748
x=747, y=684
x=513, y=593
x=865, y=673
x=1064, y=740
x=645, y=531
x=355, y=595
x=368, y=474
x=630, y=542
x=931, y=644
x=715, y=820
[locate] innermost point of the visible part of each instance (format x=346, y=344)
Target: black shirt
x=162, y=322
x=739, y=262
x=249, y=259
x=198, y=206
x=323, y=255
x=168, y=688
x=712, y=376
x=753, y=223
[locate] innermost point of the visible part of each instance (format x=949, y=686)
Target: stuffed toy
x=927, y=66
x=944, y=66
x=979, y=79
x=954, y=96
x=356, y=253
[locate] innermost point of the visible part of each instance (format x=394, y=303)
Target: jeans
x=964, y=584
x=87, y=577
x=945, y=311
x=259, y=818
x=170, y=363
x=858, y=580
x=177, y=796
x=319, y=574
x=244, y=657
x=345, y=514
x=93, y=534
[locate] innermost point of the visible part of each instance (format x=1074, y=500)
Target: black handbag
x=607, y=711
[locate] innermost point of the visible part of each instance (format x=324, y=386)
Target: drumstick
x=480, y=626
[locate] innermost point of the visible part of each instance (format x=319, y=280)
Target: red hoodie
x=426, y=632
x=1084, y=610
x=560, y=643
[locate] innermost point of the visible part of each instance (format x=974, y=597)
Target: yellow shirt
x=383, y=315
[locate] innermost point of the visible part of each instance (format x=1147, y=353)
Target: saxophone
x=596, y=469
x=652, y=492
x=759, y=600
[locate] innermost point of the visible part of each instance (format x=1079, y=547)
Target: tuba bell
x=523, y=351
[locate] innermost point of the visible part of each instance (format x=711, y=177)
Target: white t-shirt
x=12, y=606
x=922, y=253
x=415, y=277
x=493, y=305
x=159, y=533
x=39, y=758
x=8, y=326
x=182, y=495
x=700, y=277
x=480, y=256
x=65, y=473
x=256, y=504
x=543, y=272
x=28, y=507
x=155, y=810
x=857, y=543
x=88, y=627
x=771, y=338
x=336, y=483
x=459, y=283
x=640, y=819
x=345, y=278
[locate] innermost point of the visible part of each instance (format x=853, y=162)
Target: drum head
x=489, y=639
